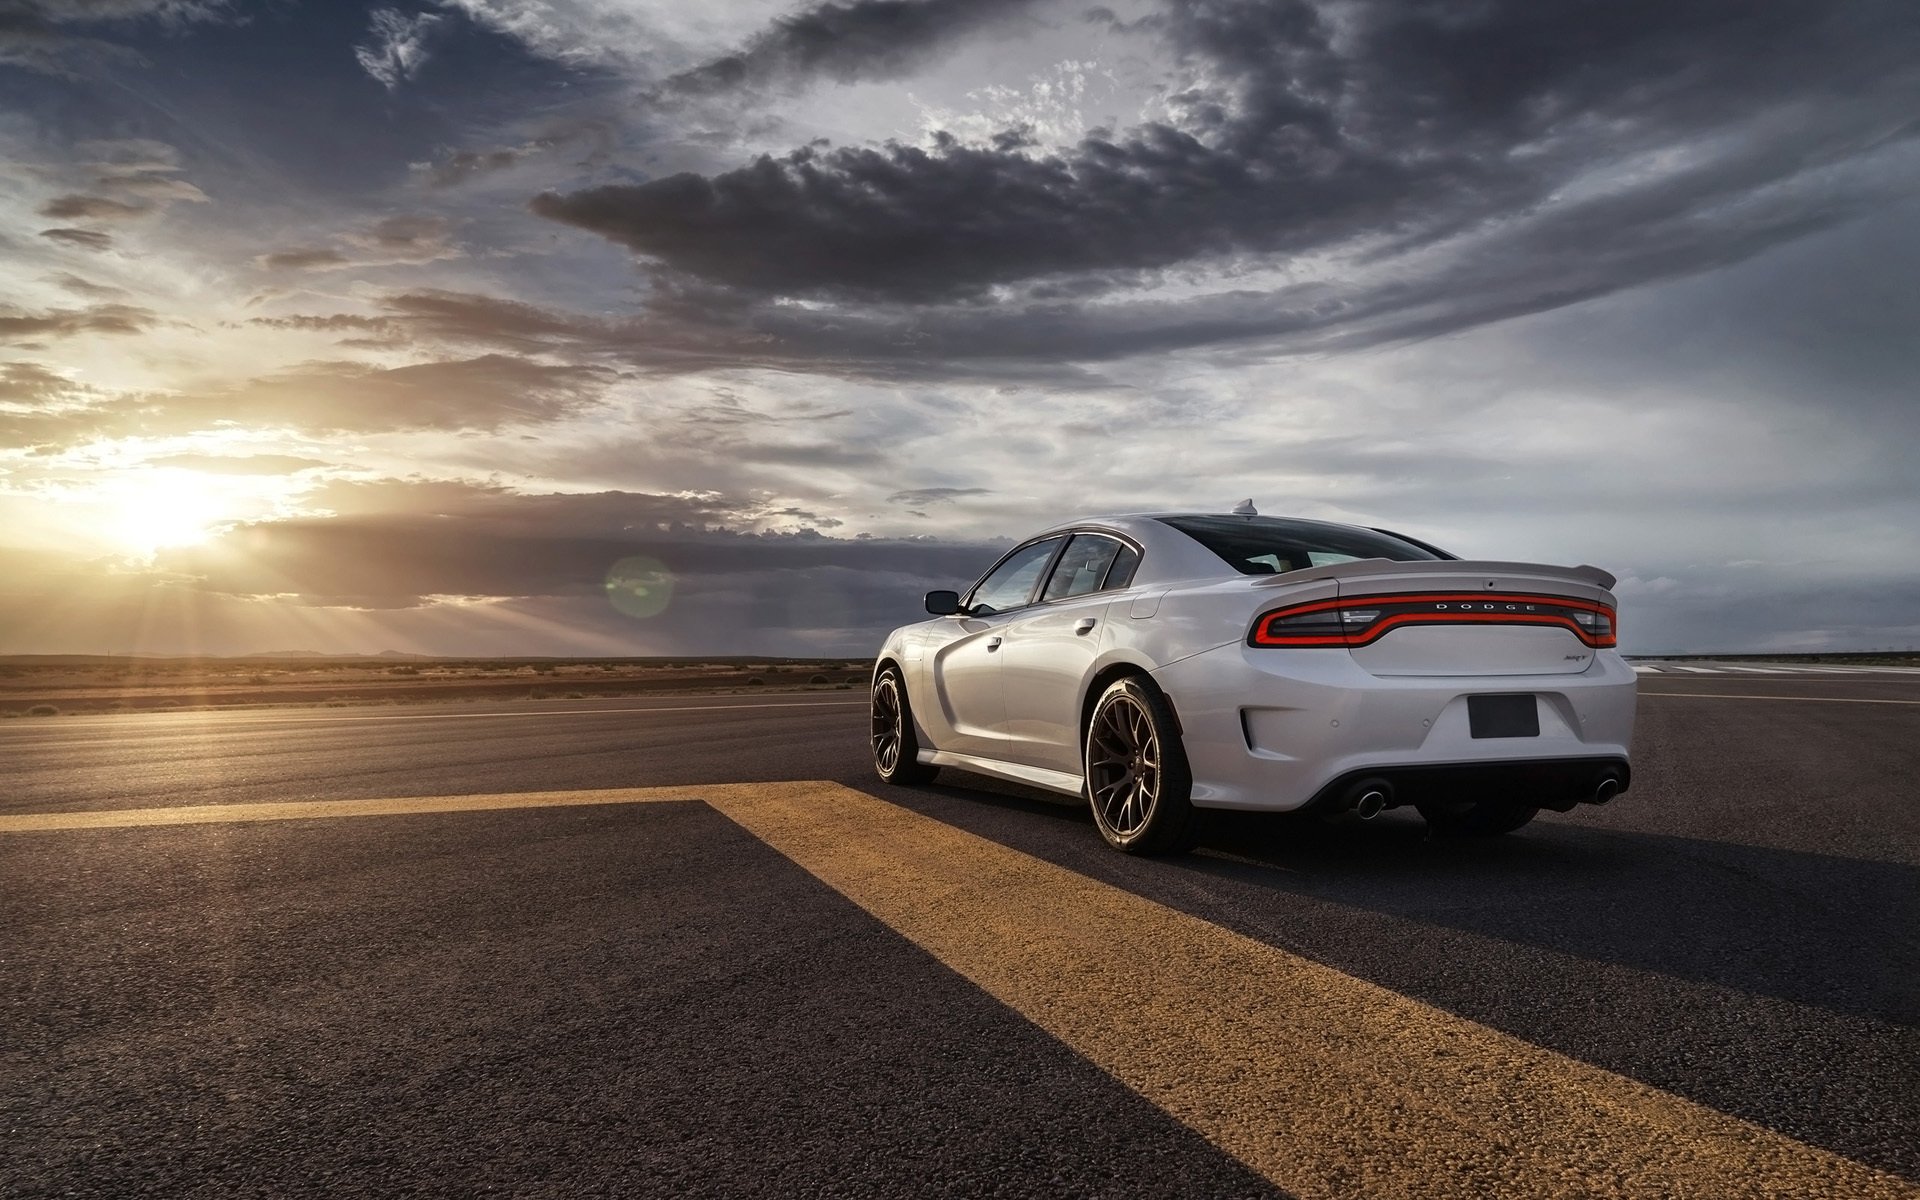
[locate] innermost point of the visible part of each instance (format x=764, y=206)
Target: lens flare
x=639, y=586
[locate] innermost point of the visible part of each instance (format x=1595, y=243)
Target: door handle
x=993, y=643
x=1085, y=626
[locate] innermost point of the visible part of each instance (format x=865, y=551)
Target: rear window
x=1275, y=545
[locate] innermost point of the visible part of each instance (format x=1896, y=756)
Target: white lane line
x=1788, y=699
x=1698, y=670
x=1753, y=670
x=1646, y=670
x=271, y=719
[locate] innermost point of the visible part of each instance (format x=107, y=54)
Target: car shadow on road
x=1834, y=933
x=1829, y=932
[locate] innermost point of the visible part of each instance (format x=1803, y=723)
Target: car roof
x=1168, y=555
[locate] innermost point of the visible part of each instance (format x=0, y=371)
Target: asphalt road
x=660, y=998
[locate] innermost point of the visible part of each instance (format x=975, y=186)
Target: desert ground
x=56, y=685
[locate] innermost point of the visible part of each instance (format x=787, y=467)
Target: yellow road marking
x=1325, y=1084
x=282, y=717
x=208, y=814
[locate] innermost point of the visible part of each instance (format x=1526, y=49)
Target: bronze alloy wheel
x=896, y=753
x=888, y=720
x=1123, y=762
x=1137, y=779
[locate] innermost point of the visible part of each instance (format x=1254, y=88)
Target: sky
x=634, y=327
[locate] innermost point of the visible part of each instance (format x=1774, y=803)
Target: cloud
x=330, y=323
x=408, y=239
x=864, y=39
x=921, y=497
x=486, y=393
x=302, y=258
x=1414, y=175
x=85, y=239
x=238, y=464
x=85, y=287
x=464, y=166
x=18, y=325
x=30, y=384
x=156, y=189
x=687, y=331
x=124, y=180
x=40, y=406
x=91, y=208
x=398, y=48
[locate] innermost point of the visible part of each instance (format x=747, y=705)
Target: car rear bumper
x=1279, y=729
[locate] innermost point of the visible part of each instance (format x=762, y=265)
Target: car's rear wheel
x=1138, y=783
x=895, y=749
x=1476, y=818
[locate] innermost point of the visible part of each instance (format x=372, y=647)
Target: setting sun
x=164, y=508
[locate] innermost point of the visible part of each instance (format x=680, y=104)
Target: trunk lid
x=1459, y=618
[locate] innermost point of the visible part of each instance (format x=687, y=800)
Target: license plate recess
x=1503, y=716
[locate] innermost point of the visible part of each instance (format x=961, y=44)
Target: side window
x=1082, y=567
x=1011, y=584
x=1121, y=573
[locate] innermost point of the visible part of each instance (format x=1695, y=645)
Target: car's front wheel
x=895, y=750
x=1137, y=779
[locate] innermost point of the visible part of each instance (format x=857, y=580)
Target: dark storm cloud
x=18, y=325
x=865, y=39
x=1472, y=163
x=401, y=542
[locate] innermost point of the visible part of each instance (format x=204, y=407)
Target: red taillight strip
x=1261, y=635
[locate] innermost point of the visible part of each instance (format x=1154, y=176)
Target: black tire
x=1138, y=783
x=1478, y=818
x=895, y=749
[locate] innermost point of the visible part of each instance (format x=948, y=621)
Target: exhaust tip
x=1370, y=804
x=1608, y=789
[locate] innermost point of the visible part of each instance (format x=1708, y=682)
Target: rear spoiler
x=1454, y=566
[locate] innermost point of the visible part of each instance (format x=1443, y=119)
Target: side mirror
x=943, y=604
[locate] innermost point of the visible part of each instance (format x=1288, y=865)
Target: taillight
x=1364, y=619
x=1325, y=624
x=1598, y=625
